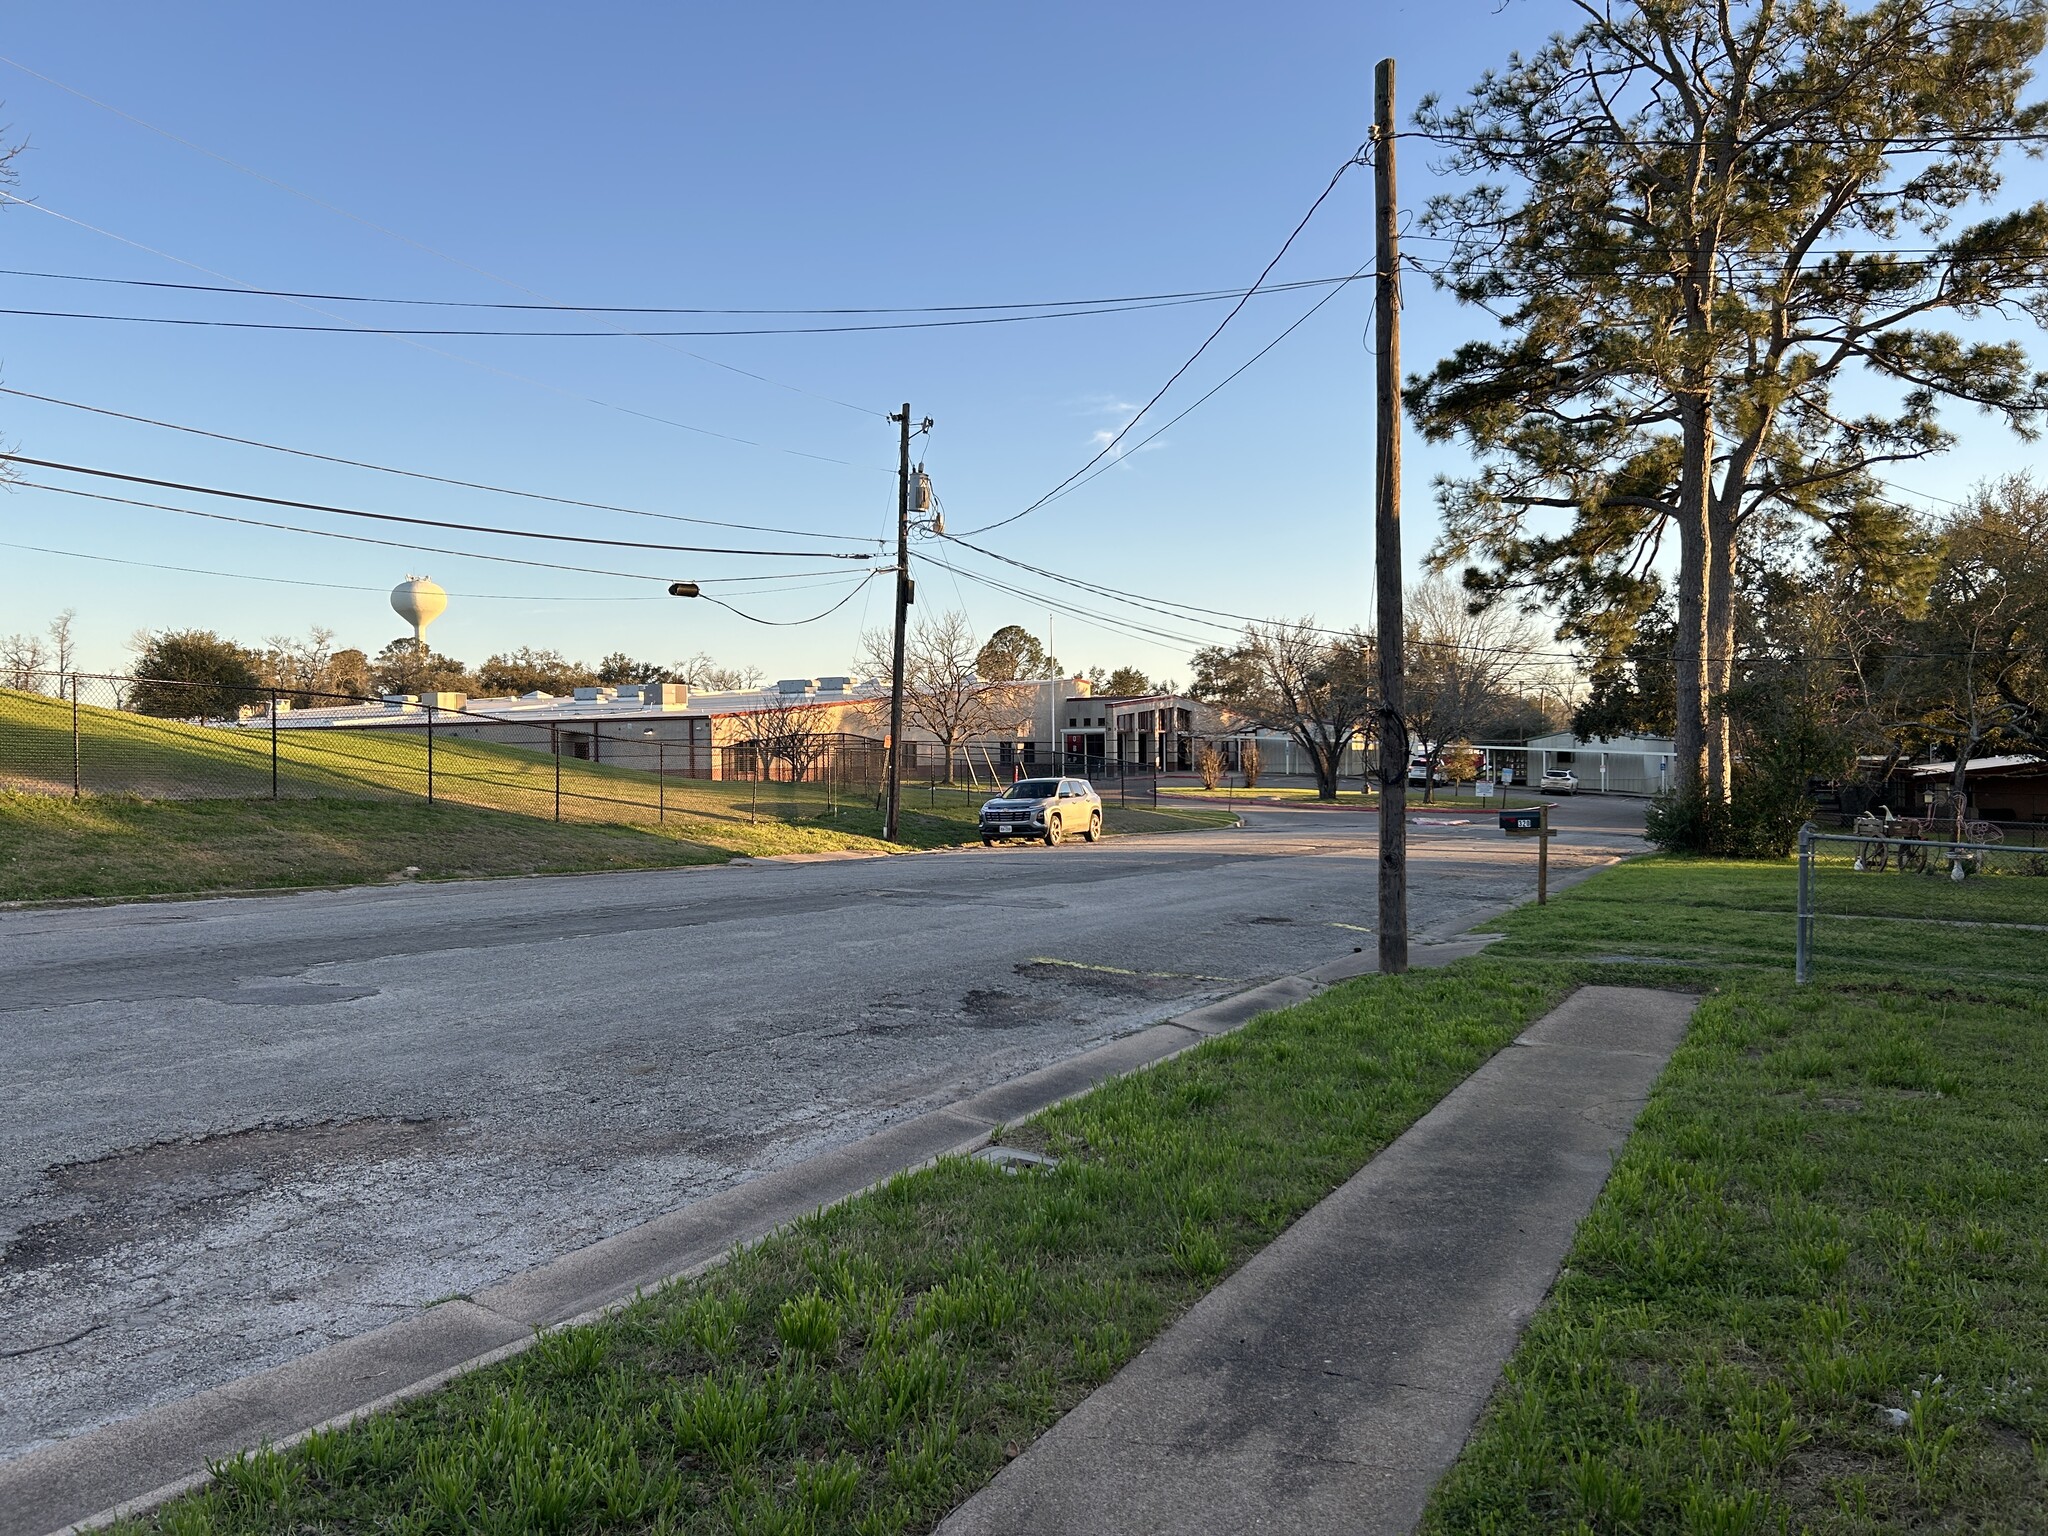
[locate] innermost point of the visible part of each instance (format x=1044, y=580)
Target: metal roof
x=1980, y=765
x=622, y=703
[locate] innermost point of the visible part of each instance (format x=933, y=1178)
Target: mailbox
x=1522, y=823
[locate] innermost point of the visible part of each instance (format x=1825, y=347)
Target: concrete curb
x=132, y=1465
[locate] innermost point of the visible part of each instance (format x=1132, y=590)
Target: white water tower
x=419, y=602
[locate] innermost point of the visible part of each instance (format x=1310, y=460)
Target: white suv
x=1043, y=808
x=1559, y=781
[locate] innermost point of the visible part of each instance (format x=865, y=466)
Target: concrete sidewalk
x=1327, y=1385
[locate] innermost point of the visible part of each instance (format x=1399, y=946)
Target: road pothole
x=1113, y=981
x=171, y=1186
x=992, y=1008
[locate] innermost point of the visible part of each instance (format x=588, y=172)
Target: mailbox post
x=1533, y=823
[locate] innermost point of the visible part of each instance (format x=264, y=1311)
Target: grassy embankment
x=174, y=808
x=1834, y=1205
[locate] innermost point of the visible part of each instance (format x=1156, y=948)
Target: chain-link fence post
x=660, y=781
x=1802, y=943
x=273, y=743
x=77, y=761
x=555, y=740
x=430, y=754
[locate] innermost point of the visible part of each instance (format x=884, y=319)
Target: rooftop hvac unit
x=797, y=685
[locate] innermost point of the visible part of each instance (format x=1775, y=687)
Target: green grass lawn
x=171, y=807
x=1833, y=1213
x=1725, y=913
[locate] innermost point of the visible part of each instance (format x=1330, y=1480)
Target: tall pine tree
x=1702, y=225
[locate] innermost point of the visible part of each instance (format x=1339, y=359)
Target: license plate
x=1004, y=828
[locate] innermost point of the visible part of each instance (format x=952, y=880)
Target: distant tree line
x=198, y=674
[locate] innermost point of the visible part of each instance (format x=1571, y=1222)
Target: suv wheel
x=1052, y=831
x=1094, y=831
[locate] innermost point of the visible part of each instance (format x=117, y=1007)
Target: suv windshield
x=1031, y=789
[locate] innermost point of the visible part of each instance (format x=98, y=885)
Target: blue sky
x=792, y=155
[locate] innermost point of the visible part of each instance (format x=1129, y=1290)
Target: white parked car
x=1559, y=781
x=1043, y=808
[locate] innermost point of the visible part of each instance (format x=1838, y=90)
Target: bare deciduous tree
x=1460, y=664
x=1314, y=686
x=298, y=666
x=944, y=694
x=63, y=647
x=699, y=671
x=39, y=663
x=791, y=733
x=24, y=662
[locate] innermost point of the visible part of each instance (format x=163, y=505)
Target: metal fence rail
x=1991, y=897
x=81, y=734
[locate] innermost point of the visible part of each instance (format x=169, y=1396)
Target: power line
x=332, y=586
x=1577, y=135
x=1218, y=388
x=1110, y=446
x=337, y=209
x=425, y=522
x=1135, y=628
x=609, y=332
x=1165, y=607
x=1190, y=296
x=441, y=352
x=414, y=474
x=1723, y=267
x=1142, y=631
x=793, y=623
x=329, y=533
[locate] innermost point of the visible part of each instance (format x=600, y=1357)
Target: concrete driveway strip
x=1327, y=1385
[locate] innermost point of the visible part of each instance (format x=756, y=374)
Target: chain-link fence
x=1972, y=907
x=84, y=734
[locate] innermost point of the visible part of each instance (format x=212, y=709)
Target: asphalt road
x=238, y=1130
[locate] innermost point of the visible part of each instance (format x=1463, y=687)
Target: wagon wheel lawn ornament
x=1912, y=845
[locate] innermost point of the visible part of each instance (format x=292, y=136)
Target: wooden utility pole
x=906, y=594
x=1393, y=724
x=902, y=626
